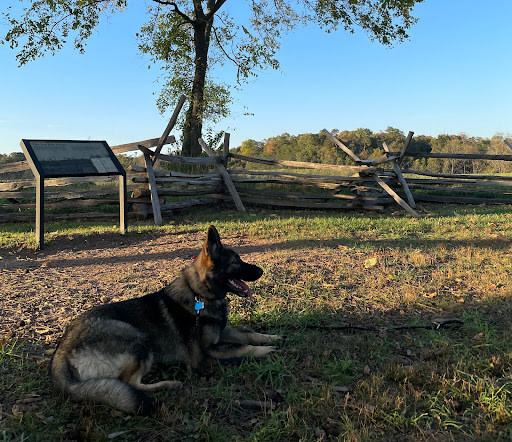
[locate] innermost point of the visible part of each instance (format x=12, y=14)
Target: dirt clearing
x=43, y=290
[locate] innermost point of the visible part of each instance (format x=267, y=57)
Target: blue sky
x=453, y=76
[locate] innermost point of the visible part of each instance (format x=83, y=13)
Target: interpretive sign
x=62, y=158
x=72, y=158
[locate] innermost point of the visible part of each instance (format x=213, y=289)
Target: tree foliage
x=191, y=39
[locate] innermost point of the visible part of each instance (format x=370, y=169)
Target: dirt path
x=41, y=291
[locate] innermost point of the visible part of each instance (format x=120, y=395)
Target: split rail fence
x=166, y=183
x=461, y=188
x=64, y=196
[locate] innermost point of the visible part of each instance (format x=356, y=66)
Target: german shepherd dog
x=105, y=352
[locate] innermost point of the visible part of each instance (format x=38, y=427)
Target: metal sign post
x=71, y=158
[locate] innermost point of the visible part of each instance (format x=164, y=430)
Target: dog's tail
x=108, y=391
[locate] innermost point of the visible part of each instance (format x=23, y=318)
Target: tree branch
x=176, y=10
x=213, y=10
x=238, y=66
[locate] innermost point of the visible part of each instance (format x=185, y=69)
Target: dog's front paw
x=263, y=350
x=276, y=338
x=173, y=385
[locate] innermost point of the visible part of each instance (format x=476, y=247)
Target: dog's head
x=222, y=270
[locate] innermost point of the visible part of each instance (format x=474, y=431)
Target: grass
x=323, y=270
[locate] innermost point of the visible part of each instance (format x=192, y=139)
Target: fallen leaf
x=479, y=336
x=370, y=262
x=16, y=411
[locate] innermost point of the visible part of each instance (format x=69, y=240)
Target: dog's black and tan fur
x=106, y=351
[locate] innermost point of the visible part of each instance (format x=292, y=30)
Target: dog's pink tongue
x=240, y=288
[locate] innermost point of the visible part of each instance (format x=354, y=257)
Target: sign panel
x=64, y=158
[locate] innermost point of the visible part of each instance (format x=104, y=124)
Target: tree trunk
x=194, y=116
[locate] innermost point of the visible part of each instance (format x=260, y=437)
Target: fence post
x=155, y=202
x=344, y=148
x=225, y=152
x=394, y=195
x=227, y=179
x=168, y=129
x=123, y=204
x=40, y=211
x=399, y=174
x=405, y=146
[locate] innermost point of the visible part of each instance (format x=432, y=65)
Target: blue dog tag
x=199, y=305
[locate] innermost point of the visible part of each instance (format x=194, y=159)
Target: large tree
x=189, y=38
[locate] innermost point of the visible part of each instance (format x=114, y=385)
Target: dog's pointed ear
x=212, y=245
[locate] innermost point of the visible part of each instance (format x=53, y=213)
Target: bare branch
x=215, y=7
x=184, y=16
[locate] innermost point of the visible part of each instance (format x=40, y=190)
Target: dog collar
x=199, y=305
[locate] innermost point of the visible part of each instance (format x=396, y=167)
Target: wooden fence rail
x=340, y=190
x=460, y=156
x=301, y=164
x=461, y=176
x=441, y=187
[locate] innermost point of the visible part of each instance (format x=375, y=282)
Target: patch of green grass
x=460, y=222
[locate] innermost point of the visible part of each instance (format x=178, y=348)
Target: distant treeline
x=368, y=145
x=12, y=157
